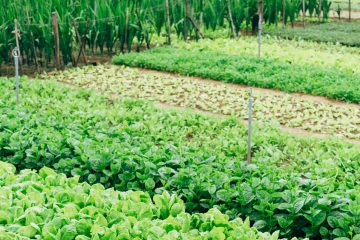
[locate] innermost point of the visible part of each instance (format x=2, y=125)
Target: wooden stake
x=81, y=50
x=231, y=19
x=56, y=40
x=168, y=21
x=349, y=10
x=17, y=38
x=32, y=39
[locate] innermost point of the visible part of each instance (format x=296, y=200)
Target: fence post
x=56, y=39
x=250, y=126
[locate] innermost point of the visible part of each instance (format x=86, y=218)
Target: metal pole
x=16, y=55
x=250, y=126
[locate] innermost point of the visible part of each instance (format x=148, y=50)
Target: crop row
x=130, y=145
x=250, y=70
x=215, y=97
x=299, y=52
x=47, y=205
x=345, y=33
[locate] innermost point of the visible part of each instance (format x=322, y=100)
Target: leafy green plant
x=288, y=110
x=130, y=145
x=47, y=205
x=118, y=25
x=249, y=70
x=345, y=33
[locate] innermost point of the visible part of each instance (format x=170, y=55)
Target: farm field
x=297, y=52
x=345, y=33
x=220, y=98
x=179, y=119
x=249, y=70
x=105, y=140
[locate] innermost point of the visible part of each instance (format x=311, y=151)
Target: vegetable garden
x=191, y=130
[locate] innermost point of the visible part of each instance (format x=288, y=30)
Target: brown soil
x=7, y=70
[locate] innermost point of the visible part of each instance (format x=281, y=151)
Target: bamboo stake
x=56, y=40
x=168, y=20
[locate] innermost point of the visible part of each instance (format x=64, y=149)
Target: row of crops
x=344, y=33
x=120, y=25
x=47, y=205
x=249, y=70
x=131, y=145
x=218, y=98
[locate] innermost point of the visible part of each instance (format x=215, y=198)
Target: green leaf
x=260, y=224
x=319, y=218
x=149, y=184
x=332, y=221
x=298, y=205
